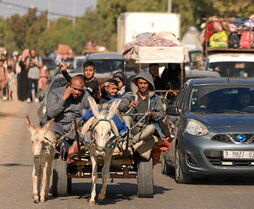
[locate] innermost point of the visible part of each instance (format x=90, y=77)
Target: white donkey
x=102, y=126
x=43, y=145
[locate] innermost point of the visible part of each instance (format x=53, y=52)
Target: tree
x=6, y=36
x=34, y=32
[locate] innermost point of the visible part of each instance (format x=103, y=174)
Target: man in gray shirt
x=33, y=65
x=64, y=104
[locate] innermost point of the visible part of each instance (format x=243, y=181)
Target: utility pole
x=74, y=13
x=48, y=22
x=169, y=6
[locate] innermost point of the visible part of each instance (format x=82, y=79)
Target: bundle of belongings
x=162, y=39
x=228, y=33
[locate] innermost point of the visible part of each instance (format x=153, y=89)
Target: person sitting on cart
x=109, y=95
x=64, y=104
x=142, y=105
x=109, y=91
x=121, y=79
x=160, y=83
x=91, y=83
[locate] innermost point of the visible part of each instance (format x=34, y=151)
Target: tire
x=145, y=177
x=165, y=168
x=69, y=185
x=60, y=183
x=180, y=176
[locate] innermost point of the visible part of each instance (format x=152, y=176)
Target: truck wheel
x=59, y=178
x=180, y=176
x=165, y=168
x=145, y=177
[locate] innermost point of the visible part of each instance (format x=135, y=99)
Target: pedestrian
x=14, y=60
x=5, y=65
x=22, y=79
x=34, y=64
x=43, y=79
x=3, y=78
x=11, y=79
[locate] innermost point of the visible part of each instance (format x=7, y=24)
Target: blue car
x=214, y=119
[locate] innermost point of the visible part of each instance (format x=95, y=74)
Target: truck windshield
x=233, y=69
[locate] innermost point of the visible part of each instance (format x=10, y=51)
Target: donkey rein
x=122, y=135
x=58, y=141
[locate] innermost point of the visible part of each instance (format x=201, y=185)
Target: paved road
x=16, y=183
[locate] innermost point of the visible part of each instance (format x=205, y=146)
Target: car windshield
x=213, y=99
x=80, y=63
x=111, y=66
x=233, y=69
x=48, y=62
x=108, y=65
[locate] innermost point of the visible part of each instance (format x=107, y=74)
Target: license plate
x=238, y=154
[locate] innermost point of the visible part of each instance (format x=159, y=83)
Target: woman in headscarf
x=22, y=79
x=121, y=78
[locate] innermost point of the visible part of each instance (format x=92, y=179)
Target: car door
x=180, y=102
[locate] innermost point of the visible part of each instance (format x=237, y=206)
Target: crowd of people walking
x=22, y=73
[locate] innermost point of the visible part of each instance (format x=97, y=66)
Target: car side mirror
x=173, y=110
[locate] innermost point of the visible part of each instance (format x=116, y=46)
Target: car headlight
x=195, y=128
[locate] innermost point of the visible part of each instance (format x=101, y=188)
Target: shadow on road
x=221, y=179
x=10, y=115
x=115, y=192
x=14, y=165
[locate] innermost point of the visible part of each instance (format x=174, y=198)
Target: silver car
x=214, y=119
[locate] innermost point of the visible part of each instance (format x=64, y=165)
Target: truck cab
x=228, y=47
x=231, y=64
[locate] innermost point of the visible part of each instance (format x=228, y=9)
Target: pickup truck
x=228, y=47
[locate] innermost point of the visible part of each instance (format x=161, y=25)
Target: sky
x=67, y=7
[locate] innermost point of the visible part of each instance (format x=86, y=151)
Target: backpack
x=219, y=40
x=233, y=40
x=246, y=40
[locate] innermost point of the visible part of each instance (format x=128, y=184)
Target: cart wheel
x=60, y=183
x=69, y=185
x=145, y=177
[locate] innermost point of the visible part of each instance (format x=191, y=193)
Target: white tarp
x=144, y=54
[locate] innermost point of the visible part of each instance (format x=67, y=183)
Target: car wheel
x=180, y=176
x=165, y=168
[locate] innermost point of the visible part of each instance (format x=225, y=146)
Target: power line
x=41, y=11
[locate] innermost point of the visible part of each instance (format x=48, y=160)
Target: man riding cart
x=142, y=107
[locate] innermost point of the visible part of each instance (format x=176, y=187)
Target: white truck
x=132, y=24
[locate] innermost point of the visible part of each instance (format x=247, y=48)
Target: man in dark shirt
x=159, y=82
x=92, y=84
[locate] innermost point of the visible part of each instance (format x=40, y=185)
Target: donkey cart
x=106, y=157
x=123, y=165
